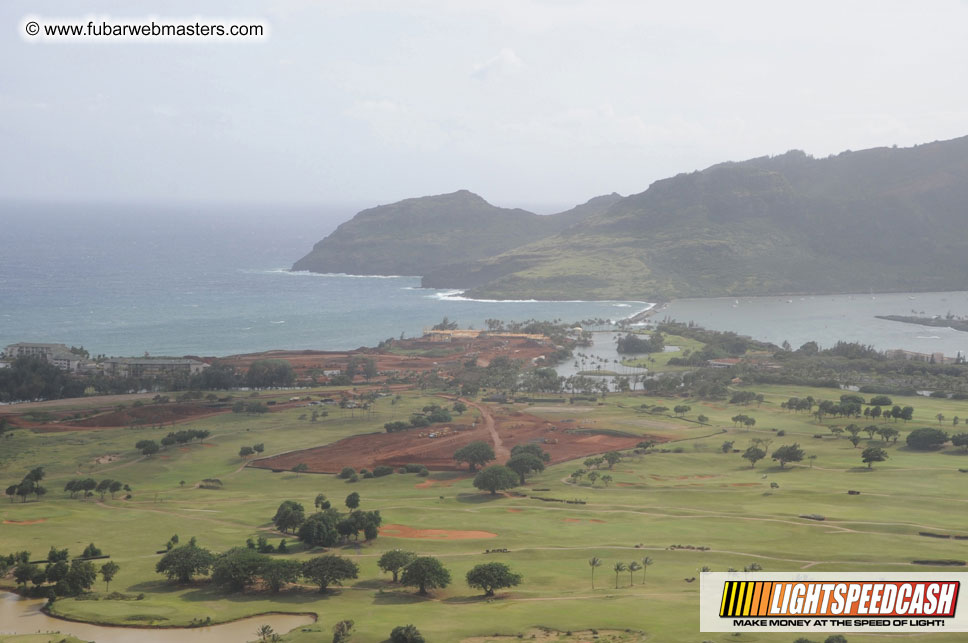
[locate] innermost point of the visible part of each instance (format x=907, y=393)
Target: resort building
x=150, y=367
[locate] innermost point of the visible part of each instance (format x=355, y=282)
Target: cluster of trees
x=242, y=567
x=327, y=526
x=782, y=454
x=246, y=451
x=364, y=365
x=269, y=373
x=744, y=420
x=59, y=576
x=525, y=460
x=184, y=436
x=502, y=373
x=427, y=572
x=254, y=408
x=594, y=562
x=28, y=486
x=632, y=343
x=87, y=487
x=928, y=439
x=430, y=414
x=34, y=378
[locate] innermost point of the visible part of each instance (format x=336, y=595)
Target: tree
x=618, y=569
x=341, y=631
x=940, y=417
x=276, y=573
x=634, y=566
x=960, y=440
x=406, y=634
x=185, y=562
x=81, y=576
x=754, y=454
x=395, y=560
x=492, y=576
x=425, y=572
x=888, y=433
x=524, y=464
x=238, y=568
x=289, y=516
x=459, y=407
x=321, y=502
x=788, y=453
x=108, y=571
x=594, y=562
x=702, y=419
x=353, y=500
x=854, y=439
x=245, y=452
x=475, y=454
x=329, y=570
x=148, y=447
x=319, y=530
x=266, y=633
x=533, y=449
x=926, y=439
x=302, y=467
x=496, y=478
x=646, y=561
x=872, y=455
x=612, y=457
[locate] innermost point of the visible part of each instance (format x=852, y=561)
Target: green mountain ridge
x=419, y=235
x=883, y=219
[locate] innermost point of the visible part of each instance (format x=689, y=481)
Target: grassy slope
x=658, y=500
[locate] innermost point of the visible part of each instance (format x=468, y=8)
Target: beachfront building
x=57, y=354
x=152, y=366
x=31, y=349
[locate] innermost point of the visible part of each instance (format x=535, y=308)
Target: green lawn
x=693, y=494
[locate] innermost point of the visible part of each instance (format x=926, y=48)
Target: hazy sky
x=525, y=102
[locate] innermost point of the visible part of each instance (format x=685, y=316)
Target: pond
x=20, y=615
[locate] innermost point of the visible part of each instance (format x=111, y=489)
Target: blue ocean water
x=125, y=280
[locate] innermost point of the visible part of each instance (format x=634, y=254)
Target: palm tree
x=619, y=568
x=265, y=632
x=645, y=566
x=634, y=566
x=594, y=562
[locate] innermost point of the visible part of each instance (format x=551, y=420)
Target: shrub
x=406, y=634
x=347, y=472
x=381, y=471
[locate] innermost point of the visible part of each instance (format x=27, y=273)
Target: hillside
x=884, y=219
x=420, y=235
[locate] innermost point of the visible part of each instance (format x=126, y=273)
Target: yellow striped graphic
x=745, y=598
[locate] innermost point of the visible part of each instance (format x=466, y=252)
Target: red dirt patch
x=602, y=522
x=571, y=520
x=515, y=511
x=403, y=531
x=404, y=447
x=147, y=415
x=24, y=522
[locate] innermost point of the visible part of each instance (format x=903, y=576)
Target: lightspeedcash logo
x=829, y=602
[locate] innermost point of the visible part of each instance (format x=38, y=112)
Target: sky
x=540, y=104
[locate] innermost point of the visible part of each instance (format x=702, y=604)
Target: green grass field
x=691, y=495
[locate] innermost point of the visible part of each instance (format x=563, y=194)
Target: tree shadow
x=374, y=583
x=292, y=595
x=398, y=598
x=469, y=600
x=477, y=498
x=860, y=470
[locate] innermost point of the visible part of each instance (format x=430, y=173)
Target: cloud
x=505, y=63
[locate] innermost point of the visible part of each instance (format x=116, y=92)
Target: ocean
x=211, y=281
